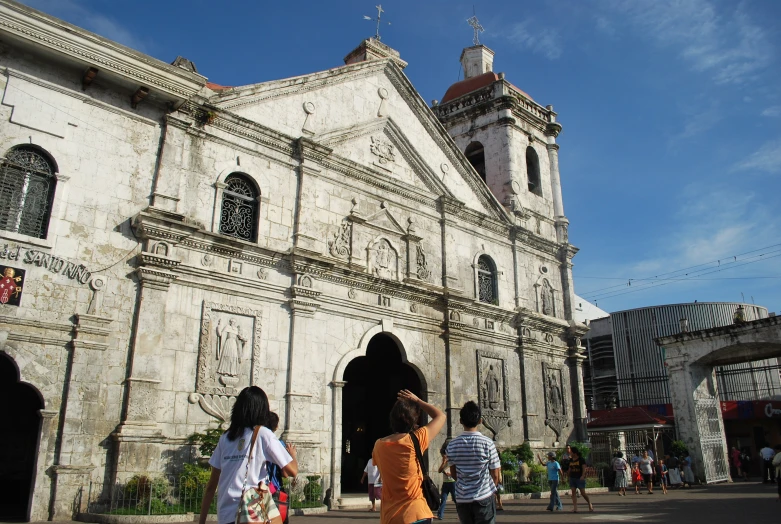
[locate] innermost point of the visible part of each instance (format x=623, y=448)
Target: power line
x=657, y=276
x=615, y=294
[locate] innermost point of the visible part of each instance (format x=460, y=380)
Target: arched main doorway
x=372, y=383
x=18, y=441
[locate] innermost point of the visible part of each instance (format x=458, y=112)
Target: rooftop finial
x=475, y=23
x=380, y=10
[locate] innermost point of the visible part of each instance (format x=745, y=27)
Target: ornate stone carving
x=555, y=403
x=218, y=406
x=235, y=266
x=548, y=338
x=384, y=300
x=492, y=391
x=476, y=322
x=230, y=336
x=546, y=299
x=526, y=332
x=423, y=271
x=351, y=294
x=263, y=273
x=339, y=247
x=384, y=260
x=207, y=260
x=383, y=150
x=413, y=308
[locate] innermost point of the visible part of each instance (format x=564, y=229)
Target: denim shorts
x=577, y=482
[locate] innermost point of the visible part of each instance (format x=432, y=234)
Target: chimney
x=477, y=60
x=373, y=49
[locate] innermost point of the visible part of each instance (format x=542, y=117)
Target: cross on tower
x=475, y=23
x=380, y=10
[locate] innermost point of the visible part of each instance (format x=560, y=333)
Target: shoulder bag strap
x=418, y=454
x=251, y=454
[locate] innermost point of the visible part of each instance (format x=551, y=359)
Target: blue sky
x=671, y=149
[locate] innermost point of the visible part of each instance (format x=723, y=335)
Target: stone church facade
x=167, y=241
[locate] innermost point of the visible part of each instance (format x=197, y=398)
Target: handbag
x=256, y=504
x=280, y=498
x=430, y=491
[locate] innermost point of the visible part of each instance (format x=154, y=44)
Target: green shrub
x=313, y=490
x=535, y=470
x=524, y=452
x=509, y=462
x=140, y=487
x=194, y=476
x=206, y=442
x=679, y=448
x=583, y=447
x=528, y=488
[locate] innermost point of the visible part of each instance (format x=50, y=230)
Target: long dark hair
x=250, y=410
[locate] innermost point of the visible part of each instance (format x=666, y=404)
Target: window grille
x=239, y=215
x=486, y=280
x=26, y=189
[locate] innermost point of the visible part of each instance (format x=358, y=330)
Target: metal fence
x=539, y=482
x=175, y=495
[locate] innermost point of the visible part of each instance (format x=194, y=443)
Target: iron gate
x=711, y=440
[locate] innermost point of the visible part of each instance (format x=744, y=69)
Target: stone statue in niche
x=554, y=394
x=493, y=393
x=383, y=260
x=491, y=389
x=547, y=299
x=423, y=271
x=555, y=404
x=230, y=350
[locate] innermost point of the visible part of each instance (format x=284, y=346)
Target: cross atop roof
x=475, y=23
x=380, y=10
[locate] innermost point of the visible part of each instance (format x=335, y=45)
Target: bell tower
x=510, y=140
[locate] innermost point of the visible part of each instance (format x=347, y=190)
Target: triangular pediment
x=349, y=109
x=381, y=145
x=385, y=221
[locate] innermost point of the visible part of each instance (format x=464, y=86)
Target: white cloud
x=767, y=158
x=772, y=111
x=729, y=46
x=543, y=41
x=82, y=16
x=699, y=122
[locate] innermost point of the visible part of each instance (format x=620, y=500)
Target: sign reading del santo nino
x=55, y=264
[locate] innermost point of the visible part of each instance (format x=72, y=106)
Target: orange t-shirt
x=402, y=496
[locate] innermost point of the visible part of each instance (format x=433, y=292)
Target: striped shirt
x=473, y=454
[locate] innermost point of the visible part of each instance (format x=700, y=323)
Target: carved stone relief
x=383, y=260
x=383, y=150
x=422, y=263
x=263, y=273
x=555, y=402
x=340, y=246
x=546, y=299
x=228, y=352
x=492, y=391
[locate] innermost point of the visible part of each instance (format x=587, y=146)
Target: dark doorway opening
x=373, y=382
x=18, y=441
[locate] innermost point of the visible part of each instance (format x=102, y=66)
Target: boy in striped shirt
x=474, y=463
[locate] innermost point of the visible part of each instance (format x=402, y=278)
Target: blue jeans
x=477, y=512
x=447, y=487
x=555, y=501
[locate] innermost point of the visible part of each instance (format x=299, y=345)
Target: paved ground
x=729, y=504
x=739, y=503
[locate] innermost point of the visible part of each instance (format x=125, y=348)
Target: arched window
x=27, y=184
x=476, y=156
x=486, y=280
x=239, y=214
x=533, y=171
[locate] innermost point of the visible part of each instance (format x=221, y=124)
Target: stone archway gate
x=690, y=358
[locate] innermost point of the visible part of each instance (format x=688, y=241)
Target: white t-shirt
x=373, y=474
x=231, y=458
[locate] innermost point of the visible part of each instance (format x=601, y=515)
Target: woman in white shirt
x=230, y=472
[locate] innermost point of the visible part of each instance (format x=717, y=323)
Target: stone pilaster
x=305, y=235
x=139, y=432
x=337, y=387
x=67, y=500
x=298, y=397
x=453, y=355
x=39, y=510
x=576, y=358
x=552, y=130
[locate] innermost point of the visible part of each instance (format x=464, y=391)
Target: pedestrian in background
x=448, y=484
x=620, y=466
x=577, y=479
x=402, y=477
x=688, y=473
x=554, y=474
x=662, y=472
x=768, y=472
x=646, y=465
x=777, y=464
x=372, y=472
x=637, y=477
x=476, y=467
x=673, y=468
